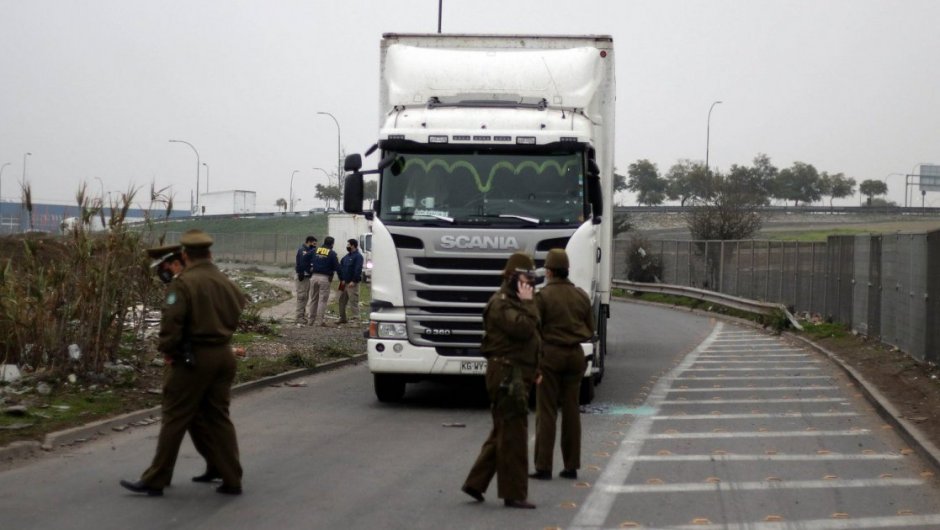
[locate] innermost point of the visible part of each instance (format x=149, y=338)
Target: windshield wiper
x=439, y=217
x=532, y=220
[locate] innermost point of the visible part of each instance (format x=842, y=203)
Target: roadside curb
x=907, y=430
x=145, y=417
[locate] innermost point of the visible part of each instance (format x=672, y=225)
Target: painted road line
x=597, y=505
x=892, y=521
x=756, y=389
x=765, y=458
x=757, y=356
x=690, y=369
x=782, y=415
x=748, y=350
x=752, y=401
x=758, y=434
x=769, y=485
x=751, y=378
x=768, y=361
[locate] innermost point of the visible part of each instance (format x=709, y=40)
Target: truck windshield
x=484, y=189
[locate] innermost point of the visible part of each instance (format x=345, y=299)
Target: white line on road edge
x=767, y=434
x=756, y=356
x=740, y=401
x=770, y=485
x=748, y=339
x=756, y=389
x=597, y=506
x=753, y=377
x=752, y=350
x=769, y=361
x=782, y=415
x=764, y=458
x=755, y=369
x=894, y=521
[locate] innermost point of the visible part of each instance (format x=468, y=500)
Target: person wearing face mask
x=302, y=263
x=350, y=270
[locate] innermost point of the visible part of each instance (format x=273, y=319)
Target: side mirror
x=596, y=199
x=353, y=162
x=593, y=170
x=352, y=191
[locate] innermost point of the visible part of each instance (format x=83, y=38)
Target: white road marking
x=764, y=458
x=769, y=361
x=690, y=369
x=753, y=377
x=855, y=523
x=783, y=415
x=769, y=485
x=597, y=505
x=741, y=401
x=757, y=389
x=756, y=434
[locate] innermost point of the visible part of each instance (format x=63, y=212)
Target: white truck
x=346, y=226
x=226, y=203
x=490, y=145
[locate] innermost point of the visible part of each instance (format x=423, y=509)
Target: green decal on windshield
x=483, y=188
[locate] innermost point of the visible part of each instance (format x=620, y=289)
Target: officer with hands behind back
x=567, y=321
x=200, y=315
x=350, y=271
x=511, y=347
x=302, y=263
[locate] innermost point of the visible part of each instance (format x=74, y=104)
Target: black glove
x=300, y=276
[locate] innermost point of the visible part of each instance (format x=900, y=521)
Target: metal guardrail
x=742, y=304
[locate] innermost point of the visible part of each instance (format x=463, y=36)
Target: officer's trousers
x=303, y=294
x=349, y=295
x=505, y=451
x=203, y=390
x=562, y=368
x=319, y=296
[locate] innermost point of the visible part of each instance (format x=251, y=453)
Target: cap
x=160, y=254
x=557, y=259
x=195, y=238
x=519, y=261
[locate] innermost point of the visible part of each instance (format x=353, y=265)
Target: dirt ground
x=912, y=387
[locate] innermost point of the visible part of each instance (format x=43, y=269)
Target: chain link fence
x=885, y=286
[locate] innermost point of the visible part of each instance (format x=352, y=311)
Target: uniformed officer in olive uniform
x=200, y=315
x=511, y=347
x=567, y=321
x=168, y=264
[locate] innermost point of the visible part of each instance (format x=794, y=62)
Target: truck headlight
x=392, y=330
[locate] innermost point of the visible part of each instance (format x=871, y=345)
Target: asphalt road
x=663, y=447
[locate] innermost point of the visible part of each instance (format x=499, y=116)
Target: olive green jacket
x=202, y=306
x=566, y=313
x=510, y=330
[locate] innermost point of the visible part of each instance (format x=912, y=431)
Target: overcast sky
x=94, y=89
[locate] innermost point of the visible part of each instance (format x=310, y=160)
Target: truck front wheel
x=389, y=388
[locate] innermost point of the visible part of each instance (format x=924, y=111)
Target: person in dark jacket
x=350, y=271
x=302, y=263
x=322, y=267
x=567, y=321
x=511, y=347
x=200, y=315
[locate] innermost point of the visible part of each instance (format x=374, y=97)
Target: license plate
x=473, y=367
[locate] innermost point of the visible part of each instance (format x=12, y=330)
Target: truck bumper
x=402, y=357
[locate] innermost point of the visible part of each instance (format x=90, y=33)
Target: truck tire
x=586, y=392
x=389, y=388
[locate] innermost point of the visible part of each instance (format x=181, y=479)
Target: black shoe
x=541, y=474
x=208, y=476
x=473, y=493
x=229, y=490
x=524, y=504
x=140, y=487
x=568, y=473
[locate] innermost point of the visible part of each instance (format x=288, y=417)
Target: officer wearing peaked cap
x=200, y=315
x=510, y=345
x=567, y=321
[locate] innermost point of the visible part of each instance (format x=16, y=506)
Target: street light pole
x=207, y=176
x=290, y=195
x=196, y=205
x=1, y=179
x=339, y=163
x=708, y=133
